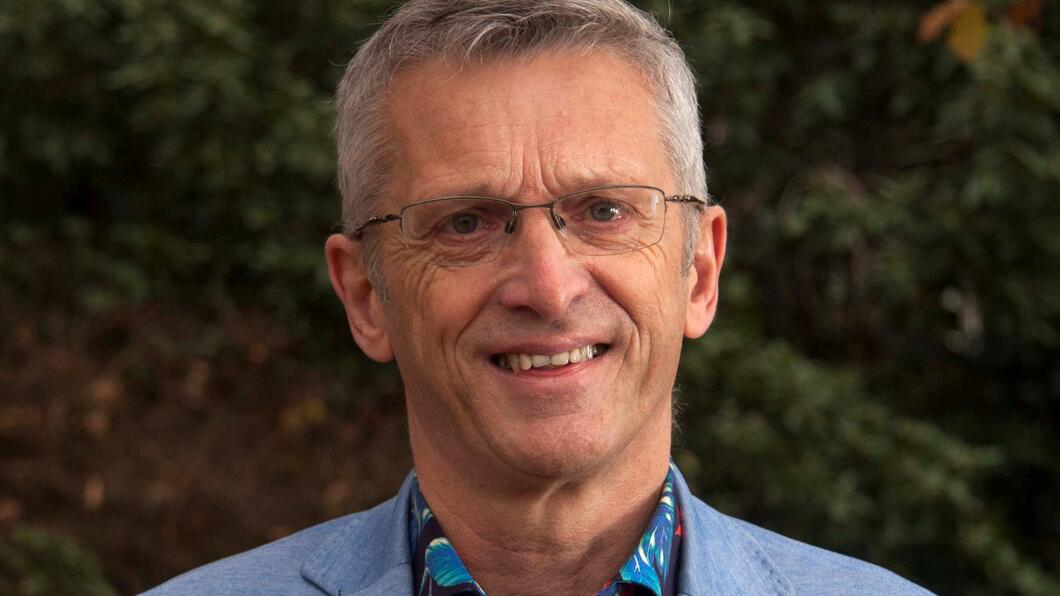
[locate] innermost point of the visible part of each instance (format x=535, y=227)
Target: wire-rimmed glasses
x=460, y=231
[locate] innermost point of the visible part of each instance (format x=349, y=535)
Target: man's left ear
x=706, y=267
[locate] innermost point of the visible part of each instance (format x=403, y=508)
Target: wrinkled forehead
x=546, y=123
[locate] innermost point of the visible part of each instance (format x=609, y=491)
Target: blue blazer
x=367, y=554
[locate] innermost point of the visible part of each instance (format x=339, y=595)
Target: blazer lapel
x=368, y=555
x=718, y=557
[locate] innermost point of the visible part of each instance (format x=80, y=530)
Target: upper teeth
x=518, y=362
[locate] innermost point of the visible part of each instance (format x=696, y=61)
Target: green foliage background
x=883, y=378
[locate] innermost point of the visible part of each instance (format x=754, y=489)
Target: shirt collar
x=651, y=569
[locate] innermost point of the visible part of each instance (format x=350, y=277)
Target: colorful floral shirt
x=651, y=570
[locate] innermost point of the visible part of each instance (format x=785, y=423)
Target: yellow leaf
x=938, y=18
x=303, y=414
x=968, y=32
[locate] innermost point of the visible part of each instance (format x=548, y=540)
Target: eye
x=605, y=211
x=464, y=223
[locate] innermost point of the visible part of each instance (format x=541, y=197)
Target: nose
x=540, y=275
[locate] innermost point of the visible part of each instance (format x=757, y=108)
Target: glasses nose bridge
x=558, y=223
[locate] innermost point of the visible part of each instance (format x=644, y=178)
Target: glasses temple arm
x=358, y=232
x=687, y=199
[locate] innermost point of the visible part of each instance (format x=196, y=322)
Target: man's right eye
x=463, y=223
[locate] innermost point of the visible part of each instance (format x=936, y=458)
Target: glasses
x=461, y=231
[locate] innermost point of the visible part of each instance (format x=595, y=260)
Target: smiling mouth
x=520, y=362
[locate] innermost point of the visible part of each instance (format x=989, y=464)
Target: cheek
x=648, y=286
x=430, y=308
x=408, y=313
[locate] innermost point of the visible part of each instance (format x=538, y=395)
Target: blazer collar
x=718, y=556
x=367, y=555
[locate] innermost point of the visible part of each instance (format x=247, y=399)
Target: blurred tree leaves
x=882, y=378
x=35, y=562
x=886, y=345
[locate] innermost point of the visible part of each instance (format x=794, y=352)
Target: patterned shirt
x=650, y=571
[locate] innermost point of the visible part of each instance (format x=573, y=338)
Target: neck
x=532, y=535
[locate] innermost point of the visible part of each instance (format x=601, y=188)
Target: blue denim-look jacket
x=367, y=554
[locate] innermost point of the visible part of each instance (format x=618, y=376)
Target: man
x=528, y=235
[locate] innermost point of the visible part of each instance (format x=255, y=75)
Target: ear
x=364, y=310
x=706, y=267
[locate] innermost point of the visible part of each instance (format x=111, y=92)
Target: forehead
x=513, y=127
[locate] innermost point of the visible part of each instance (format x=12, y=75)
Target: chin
x=567, y=456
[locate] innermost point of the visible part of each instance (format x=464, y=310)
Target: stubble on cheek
x=426, y=319
x=655, y=301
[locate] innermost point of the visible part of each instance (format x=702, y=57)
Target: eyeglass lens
x=459, y=231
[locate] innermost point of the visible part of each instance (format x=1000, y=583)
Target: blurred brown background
x=177, y=382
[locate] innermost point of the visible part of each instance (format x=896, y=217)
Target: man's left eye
x=605, y=211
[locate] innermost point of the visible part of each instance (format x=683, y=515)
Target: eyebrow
x=570, y=184
x=583, y=181
x=482, y=189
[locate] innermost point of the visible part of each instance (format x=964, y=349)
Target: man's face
x=529, y=131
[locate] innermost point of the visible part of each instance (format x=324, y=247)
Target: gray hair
x=467, y=30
